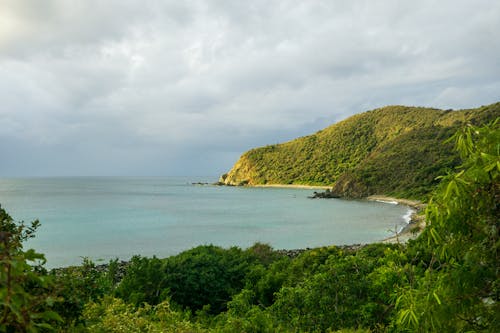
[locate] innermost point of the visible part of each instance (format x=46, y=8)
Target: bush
x=114, y=315
x=26, y=292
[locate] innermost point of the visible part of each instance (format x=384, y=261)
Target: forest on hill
x=394, y=150
x=446, y=280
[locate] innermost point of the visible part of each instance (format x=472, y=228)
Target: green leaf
x=437, y=298
x=414, y=317
x=492, y=166
x=451, y=189
x=51, y=315
x=45, y=326
x=435, y=235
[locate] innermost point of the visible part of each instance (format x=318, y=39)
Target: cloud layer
x=184, y=87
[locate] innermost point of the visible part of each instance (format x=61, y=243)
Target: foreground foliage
x=26, y=293
x=459, y=287
x=447, y=280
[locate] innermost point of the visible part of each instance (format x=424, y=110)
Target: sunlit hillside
x=396, y=150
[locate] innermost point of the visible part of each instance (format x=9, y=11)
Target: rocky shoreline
x=120, y=269
x=296, y=252
x=122, y=265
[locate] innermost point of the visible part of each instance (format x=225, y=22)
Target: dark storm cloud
x=163, y=87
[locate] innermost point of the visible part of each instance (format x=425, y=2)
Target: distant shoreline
x=415, y=204
x=307, y=187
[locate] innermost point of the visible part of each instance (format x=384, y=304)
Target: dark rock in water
x=222, y=184
x=324, y=195
x=200, y=183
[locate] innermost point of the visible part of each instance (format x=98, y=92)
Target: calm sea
x=108, y=217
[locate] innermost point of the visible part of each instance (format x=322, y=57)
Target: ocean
x=103, y=218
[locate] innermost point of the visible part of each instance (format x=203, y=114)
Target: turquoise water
x=105, y=218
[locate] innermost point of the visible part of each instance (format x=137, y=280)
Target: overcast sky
x=184, y=87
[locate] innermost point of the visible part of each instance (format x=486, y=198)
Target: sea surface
x=103, y=218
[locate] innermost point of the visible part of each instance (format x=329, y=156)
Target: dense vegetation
x=395, y=150
x=447, y=280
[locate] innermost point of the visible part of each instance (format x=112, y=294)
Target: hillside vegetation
x=394, y=150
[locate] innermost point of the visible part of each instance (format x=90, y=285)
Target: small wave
x=407, y=216
x=387, y=201
x=407, y=220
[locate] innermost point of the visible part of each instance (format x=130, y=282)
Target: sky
x=160, y=88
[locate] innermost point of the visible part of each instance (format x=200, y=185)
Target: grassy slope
x=394, y=150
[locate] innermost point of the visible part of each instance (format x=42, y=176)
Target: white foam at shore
x=407, y=219
x=387, y=201
x=407, y=216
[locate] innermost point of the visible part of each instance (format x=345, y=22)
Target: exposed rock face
x=240, y=174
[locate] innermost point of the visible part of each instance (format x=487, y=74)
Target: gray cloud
x=183, y=87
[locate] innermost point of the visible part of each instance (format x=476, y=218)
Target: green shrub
x=26, y=291
x=114, y=315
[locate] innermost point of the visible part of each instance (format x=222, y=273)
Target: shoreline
x=415, y=204
x=297, y=186
x=416, y=223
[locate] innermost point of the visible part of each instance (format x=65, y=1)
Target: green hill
x=394, y=150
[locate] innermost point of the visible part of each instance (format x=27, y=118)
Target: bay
x=117, y=217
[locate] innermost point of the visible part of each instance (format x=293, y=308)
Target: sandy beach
x=307, y=187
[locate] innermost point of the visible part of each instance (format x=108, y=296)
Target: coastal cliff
x=394, y=150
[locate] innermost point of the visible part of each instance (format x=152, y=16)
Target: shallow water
x=111, y=217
